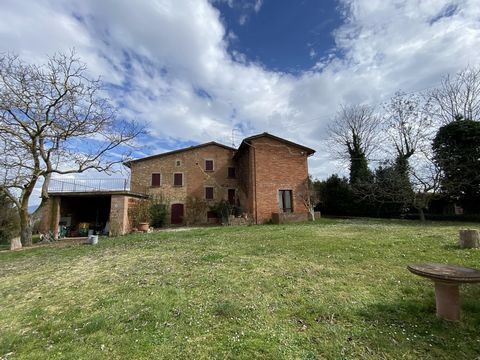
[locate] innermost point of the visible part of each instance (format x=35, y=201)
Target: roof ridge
x=127, y=163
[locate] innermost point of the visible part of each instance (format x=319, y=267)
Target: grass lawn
x=334, y=289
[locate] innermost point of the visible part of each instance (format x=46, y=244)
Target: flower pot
x=93, y=239
x=144, y=226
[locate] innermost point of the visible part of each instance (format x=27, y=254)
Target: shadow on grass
x=412, y=324
x=455, y=247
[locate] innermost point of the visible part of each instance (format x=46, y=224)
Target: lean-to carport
x=76, y=207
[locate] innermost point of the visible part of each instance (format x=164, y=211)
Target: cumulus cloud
x=167, y=63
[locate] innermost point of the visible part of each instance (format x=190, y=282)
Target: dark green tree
x=392, y=191
x=456, y=149
x=359, y=171
x=336, y=196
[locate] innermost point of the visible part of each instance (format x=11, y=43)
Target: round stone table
x=447, y=279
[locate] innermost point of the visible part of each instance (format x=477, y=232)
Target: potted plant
x=140, y=215
x=143, y=226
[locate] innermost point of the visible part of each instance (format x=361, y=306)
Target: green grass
x=334, y=289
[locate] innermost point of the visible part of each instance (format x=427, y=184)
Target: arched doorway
x=177, y=214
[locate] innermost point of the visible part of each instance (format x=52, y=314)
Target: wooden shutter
x=155, y=179
x=208, y=165
x=178, y=179
x=231, y=196
x=209, y=193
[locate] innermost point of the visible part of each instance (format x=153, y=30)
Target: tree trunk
x=15, y=243
x=25, y=227
x=421, y=213
x=469, y=239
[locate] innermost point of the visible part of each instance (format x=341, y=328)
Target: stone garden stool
x=447, y=279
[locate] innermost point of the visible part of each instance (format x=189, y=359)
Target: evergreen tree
x=336, y=197
x=457, y=152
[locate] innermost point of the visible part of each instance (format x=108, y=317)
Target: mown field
x=333, y=289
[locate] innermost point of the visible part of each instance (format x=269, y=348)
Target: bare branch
x=355, y=126
x=407, y=125
x=53, y=119
x=457, y=96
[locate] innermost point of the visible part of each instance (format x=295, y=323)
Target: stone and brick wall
x=246, y=181
x=283, y=218
x=264, y=165
x=119, y=219
x=191, y=163
x=277, y=166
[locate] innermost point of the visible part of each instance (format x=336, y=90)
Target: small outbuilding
x=72, y=210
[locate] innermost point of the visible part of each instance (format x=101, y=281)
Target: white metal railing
x=88, y=185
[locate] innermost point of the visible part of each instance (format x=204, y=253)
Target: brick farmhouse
x=265, y=177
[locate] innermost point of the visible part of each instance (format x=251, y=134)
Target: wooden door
x=231, y=196
x=177, y=214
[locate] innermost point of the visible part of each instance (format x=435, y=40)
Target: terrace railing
x=88, y=185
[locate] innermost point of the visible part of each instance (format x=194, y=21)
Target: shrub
x=158, y=210
x=140, y=213
x=158, y=215
x=223, y=209
x=153, y=210
x=196, y=210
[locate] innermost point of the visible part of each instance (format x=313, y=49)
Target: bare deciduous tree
x=426, y=176
x=409, y=130
x=309, y=196
x=355, y=136
x=355, y=127
x=54, y=120
x=457, y=97
x=407, y=125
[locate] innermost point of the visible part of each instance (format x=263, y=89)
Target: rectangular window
x=285, y=200
x=178, y=179
x=231, y=196
x=208, y=165
x=178, y=162
x=231, y=173
x=209, y=193
x=155, y=180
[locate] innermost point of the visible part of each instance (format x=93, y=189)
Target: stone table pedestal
x=447, y=279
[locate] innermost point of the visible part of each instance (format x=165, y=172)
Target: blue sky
x=283, y=35
x=193, y=70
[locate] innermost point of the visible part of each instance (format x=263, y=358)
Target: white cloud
x=242, y=19
x=170, y=64
x=258, y=5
